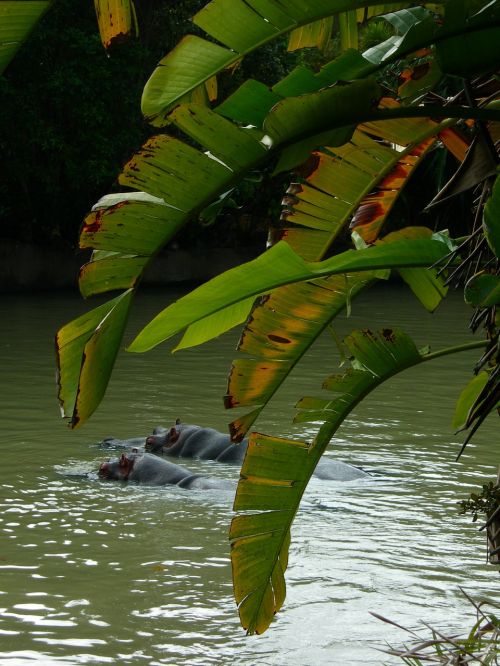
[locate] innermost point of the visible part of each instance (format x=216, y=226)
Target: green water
x=98, y=573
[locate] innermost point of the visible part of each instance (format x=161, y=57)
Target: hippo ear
x=126, y=465
x=173, y=435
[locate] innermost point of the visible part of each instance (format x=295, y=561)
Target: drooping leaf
x=278, y=266
x=214, y=325
x=111, y=273
x=276, y=471
x=491, y=219
x=86, y=351
x=281, y=328
x=117, y=21
x=483, y=290
x=17, y=19
x=467, y=399
x=272, y=480
x=284, y=325
x=426, y=283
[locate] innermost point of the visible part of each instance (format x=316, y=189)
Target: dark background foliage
x=70, y=117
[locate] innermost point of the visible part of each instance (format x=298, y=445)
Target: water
x=96, y=573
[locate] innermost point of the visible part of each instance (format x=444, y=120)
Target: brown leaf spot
x=366, y=213
x=93, y=222
x=307, y=168
x=397, y=175
x=388, y=334
x=230, y=402
x=295, y=188
x=279, y=339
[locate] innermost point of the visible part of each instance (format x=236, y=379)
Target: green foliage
x=480, y=644
x=483, y=503
x=353, y=133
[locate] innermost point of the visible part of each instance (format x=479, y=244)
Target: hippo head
x=155, y=443
x=118, y=470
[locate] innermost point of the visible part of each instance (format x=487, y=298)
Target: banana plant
x=352, y=145
x=179, y=180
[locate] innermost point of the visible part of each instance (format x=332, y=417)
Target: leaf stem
x=477, y=344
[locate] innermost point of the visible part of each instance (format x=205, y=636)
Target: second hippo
x=192, y=441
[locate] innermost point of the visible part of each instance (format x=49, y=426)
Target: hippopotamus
x=192, y=441
x=154, y=471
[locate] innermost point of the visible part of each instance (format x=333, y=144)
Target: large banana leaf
x=276, y=267
x=275, y=472
x=243, y=26
x=283, y=326
x=116, y=19
x=16, y=22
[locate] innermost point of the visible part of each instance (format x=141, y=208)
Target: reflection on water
x=96, y=573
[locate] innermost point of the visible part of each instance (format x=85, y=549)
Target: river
x=102, y=573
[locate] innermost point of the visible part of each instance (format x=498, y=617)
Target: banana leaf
x=116, y=20
x=276, y=267
x=17, y=19
x=86, y=350
x=275, y=471
x=243, y=26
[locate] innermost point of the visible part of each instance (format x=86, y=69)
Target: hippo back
x=154, y=471
x=335, y=470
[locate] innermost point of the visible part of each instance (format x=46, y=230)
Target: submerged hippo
x=192, y=441
x=154, y=471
